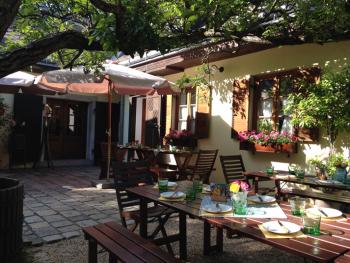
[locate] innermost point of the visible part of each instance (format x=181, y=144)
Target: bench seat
x=123, y=245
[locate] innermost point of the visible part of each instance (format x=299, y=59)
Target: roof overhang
x=178, y=61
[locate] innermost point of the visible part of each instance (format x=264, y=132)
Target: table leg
x=206, y=239
x=256, y=184
x=278, y=189
x=92, y=256
x=219, y=239
x=143, y=218
x=183, y=236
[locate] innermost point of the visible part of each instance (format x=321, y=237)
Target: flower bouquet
x=239, y=191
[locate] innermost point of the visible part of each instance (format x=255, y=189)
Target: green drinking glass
x=297, y=205
x=198, y=185
x=190, y=194
x=311, y=224
x=163, y=185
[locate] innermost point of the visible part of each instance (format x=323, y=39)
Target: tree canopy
x=87, y=31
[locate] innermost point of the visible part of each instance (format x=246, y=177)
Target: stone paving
x=60, y=201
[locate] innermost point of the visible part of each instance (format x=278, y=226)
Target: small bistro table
x=332, y=244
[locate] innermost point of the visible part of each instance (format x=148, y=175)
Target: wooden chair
x=232, y=167
x=204, y=165
x=117, y=154
x=133, y=174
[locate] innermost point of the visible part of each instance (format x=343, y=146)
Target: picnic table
x=333, y=243
x=310, y=180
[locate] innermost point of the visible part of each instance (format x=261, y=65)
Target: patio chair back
x=204, y=165
x=232, y=167
x=129, y=174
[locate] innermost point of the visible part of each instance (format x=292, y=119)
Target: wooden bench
x=123, y=245
x=314, y=195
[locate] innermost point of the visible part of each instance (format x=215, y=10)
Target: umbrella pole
x=109, y=132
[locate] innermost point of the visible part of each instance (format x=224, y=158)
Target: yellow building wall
x=280, y=58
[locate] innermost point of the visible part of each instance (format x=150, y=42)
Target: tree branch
x=8, y=12
x=71, y=63
x=105, y=7
x=38, y=50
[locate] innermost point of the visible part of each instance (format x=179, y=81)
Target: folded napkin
x=181, y=199
x=207, y=214
x=268, y=234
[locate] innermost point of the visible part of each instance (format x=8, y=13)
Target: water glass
x=239, y=203
x=163, y=185
x=270, y=170
x=297, y=206
x=190, y=194
x=311, y=223
x=198, y=185
x=299, y=173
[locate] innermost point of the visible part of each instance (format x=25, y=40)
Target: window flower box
x=273, y=148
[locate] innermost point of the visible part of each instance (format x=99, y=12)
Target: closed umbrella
x=115, y=78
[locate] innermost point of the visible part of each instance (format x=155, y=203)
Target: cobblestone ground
x=59, y=202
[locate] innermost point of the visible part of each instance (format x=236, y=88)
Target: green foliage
x=136, y=26
x=198, y=80
x=5, y=121
x=265, y=125
x=325, y=104
x=331, y=163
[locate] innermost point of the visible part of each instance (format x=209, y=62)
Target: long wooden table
x=309, y=180
x=333, y=243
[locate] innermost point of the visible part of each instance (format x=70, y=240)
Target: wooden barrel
x=11, y=218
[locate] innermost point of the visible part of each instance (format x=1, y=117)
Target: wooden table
x=257, y=176
x=324, y=248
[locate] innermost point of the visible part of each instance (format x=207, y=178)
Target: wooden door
x=67, y=129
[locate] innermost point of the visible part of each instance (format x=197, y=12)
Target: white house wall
x=281, y=58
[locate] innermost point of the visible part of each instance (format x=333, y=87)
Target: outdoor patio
x=59, y=201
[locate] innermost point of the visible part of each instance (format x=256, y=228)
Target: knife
x=260, y=198
x=323, y=212
x=283, y=226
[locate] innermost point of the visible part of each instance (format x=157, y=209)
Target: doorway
x=67, y=129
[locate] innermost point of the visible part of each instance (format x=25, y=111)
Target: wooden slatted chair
x=133, y=174
x=232, y=167
x=204, y=165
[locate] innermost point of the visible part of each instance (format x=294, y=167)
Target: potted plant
x=337, y=165
x=320, y=168
x=183, y=139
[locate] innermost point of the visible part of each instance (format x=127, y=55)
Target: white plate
x=265, y=199
x=331, y=213
x=172, y=195
x=219, y=208
x=287, y=228
x=172, y=184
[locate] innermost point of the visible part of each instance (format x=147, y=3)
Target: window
x=258, y=102
x=187, y=110
x=271, y=96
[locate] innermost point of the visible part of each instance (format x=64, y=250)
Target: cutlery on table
x=283, y=226
x=322, y=212
x=260, y=198
x=218, y=207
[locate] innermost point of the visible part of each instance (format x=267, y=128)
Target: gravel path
x=235, y=250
